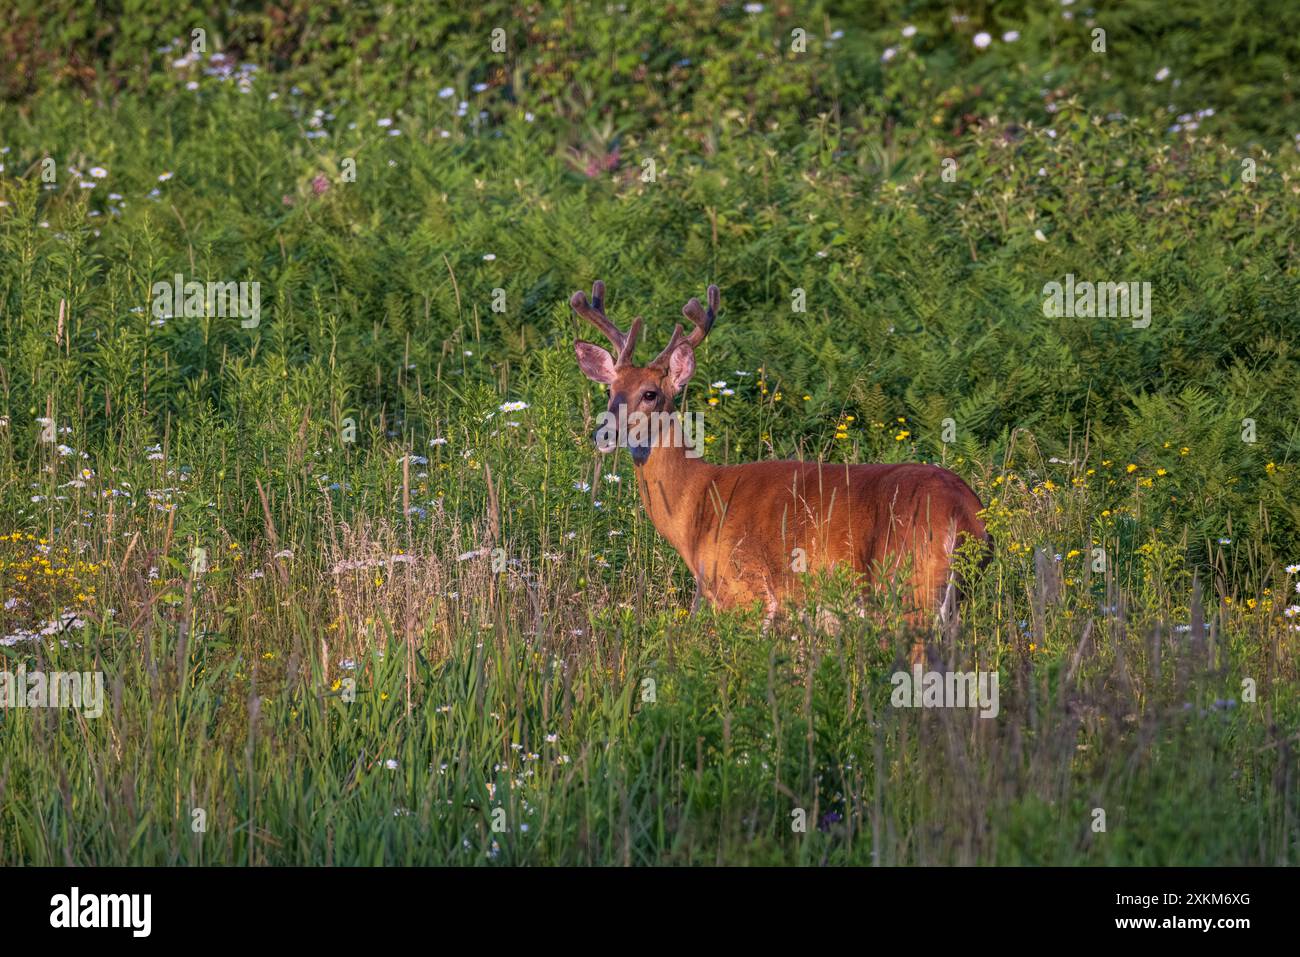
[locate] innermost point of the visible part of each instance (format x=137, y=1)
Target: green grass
x=350, y=613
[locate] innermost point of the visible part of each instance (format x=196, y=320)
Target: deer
x=751, y=532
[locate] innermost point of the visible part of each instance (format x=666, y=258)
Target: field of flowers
x=362, y=591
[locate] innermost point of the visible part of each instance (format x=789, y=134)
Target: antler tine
x=594, y=312
x=661, y=360
x=633, y=333
x=703, y=322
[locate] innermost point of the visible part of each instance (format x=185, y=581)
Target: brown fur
x=737, y=526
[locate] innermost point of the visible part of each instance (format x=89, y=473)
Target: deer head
x=637, y=394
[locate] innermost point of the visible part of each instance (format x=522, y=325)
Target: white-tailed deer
x=750, y=532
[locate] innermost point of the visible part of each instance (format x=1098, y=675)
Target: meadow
x=360, y=587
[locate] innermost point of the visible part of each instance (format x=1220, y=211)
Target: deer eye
x=650, y=395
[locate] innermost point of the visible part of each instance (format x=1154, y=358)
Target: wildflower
x=512, y=407
x=981, y=40
x=1011, y=36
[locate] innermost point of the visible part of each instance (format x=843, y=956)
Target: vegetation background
x=352, y=675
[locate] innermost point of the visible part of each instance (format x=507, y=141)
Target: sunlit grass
x=362, y=591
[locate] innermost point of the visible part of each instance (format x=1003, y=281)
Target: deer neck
x=671, y=485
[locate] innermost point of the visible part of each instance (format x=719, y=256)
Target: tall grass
x=363, y=593
x=379, y=695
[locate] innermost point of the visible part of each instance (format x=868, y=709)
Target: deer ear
x=681, y=366
x=596, y=364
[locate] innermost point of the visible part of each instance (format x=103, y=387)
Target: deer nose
x=609, y=425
